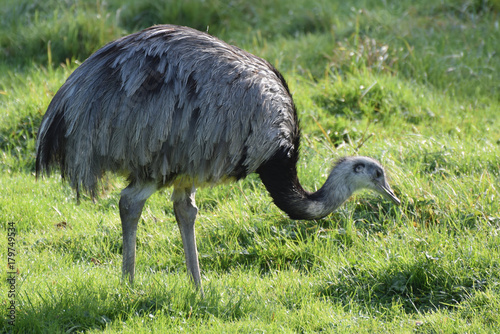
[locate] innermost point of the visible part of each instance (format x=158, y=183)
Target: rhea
x=171, y=106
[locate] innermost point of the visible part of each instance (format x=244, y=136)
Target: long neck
x=280, y=178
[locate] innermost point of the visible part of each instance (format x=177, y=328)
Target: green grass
x=412, y=84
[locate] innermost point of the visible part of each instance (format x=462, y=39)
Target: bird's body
x=169, y=104
x=172, y=106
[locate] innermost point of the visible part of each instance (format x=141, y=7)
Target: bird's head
x=366, y=173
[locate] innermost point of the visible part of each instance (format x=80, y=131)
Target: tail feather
x=51, y=143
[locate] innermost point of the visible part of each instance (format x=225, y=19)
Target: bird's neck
x=280, y=178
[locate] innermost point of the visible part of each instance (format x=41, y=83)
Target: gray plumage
x=168, y=102
x=172, y=106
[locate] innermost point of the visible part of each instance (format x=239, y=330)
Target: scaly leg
x=185, y=212
x=131, y=203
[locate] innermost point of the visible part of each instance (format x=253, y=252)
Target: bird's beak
x=386, y=190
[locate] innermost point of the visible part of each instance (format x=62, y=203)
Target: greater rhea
x=173, y=106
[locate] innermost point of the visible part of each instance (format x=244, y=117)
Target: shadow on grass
x=420, y=286
x=89, y=306
x=283, y=244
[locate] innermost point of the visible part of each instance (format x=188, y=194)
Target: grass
x=412, y=84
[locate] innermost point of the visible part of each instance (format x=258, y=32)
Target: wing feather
x=167, y=102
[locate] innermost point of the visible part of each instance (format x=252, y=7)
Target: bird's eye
x=379, y=173
x=358, y=167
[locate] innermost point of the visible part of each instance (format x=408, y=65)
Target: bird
x=170, y=106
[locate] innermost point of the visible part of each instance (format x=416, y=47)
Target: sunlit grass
x=413, y=85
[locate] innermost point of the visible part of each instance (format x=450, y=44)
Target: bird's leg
x=185, y=212
x=131, y=203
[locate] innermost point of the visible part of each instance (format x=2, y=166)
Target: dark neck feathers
x=279, y=176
